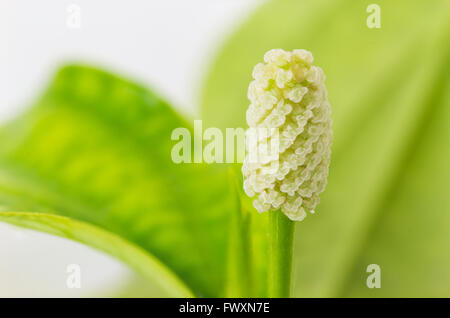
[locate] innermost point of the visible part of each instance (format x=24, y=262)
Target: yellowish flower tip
x=288, y=96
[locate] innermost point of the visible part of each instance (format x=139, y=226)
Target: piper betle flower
x=288, y=95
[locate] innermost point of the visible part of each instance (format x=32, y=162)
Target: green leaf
x=97, y=149
x=386, y=200
x=102, y=240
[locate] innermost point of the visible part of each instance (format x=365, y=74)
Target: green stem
x=239, y=268
x=281, y=238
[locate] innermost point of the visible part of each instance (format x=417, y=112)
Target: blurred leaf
x=387, y=199
x=102, y=240
x=97, y=150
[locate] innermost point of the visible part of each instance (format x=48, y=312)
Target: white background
x=166, y=44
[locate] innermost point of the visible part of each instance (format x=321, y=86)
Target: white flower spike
x=288, y=94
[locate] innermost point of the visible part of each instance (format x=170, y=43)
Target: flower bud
x=289, y=114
